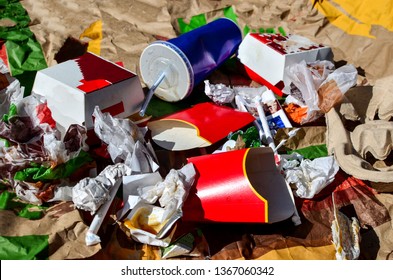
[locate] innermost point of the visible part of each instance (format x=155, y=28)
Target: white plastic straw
x=91, y=236
x=242, y=106
x=264, y=123
x=295, y=217
x=151, y=92
x=290, y=135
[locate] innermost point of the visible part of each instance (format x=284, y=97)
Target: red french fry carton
x=74, y=87
x=199, y=126
x=265, y=57
x=238, y=186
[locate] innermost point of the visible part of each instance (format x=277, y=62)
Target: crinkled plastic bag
x=321, y=87
x=331, y=91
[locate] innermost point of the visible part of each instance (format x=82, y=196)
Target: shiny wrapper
x=90, y=193
x=219, y=93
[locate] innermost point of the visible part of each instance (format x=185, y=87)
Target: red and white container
x=265, y=57
x=73, y=88
x=238, y=186
x=198, y=126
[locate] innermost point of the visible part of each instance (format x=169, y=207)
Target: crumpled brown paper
x=64, y=225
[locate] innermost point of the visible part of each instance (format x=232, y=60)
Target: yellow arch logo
x=357, y=17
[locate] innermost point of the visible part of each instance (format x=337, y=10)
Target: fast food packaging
x=265, y=56
x=196, y=127
x=189, y=58
x=74, y=87
x=238, y=186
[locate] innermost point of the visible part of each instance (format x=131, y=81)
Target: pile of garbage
x=76, y=138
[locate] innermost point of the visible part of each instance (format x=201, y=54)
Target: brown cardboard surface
x=62, y=223
x=127, y=28
x=359, y=132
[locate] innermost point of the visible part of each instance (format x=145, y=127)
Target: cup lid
x=163, y=56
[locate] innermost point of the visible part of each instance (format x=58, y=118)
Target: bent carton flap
x=238, y=186
x=199, y=126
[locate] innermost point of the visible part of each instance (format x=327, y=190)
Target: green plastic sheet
x=312, y=152
x=29, y=211
x=23, y=51
x=30, y=247
x=42, y=173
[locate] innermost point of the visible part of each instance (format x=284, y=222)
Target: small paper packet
x=150, y=223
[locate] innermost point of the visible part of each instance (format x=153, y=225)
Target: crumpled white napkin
x=311, y=176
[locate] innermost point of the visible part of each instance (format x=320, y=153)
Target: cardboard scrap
x=359, y=132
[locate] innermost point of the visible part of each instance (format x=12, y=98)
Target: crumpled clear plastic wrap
x=35, y=142
x=24, y=126
x=12, y=160
x=90, y=193
x=310, y=176
x=331, y=91
x=50, y=154
x=10, y=95
x=3, y=67
x=319, y=86
x=125, y=142
x=27, y=192
x=307, y=78
x=219, y=93
x=150, y=223
x=60, y=151
x=11, y=91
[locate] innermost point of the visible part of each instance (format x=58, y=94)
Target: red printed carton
x=238, y=186
x=74, y=87
x=199, y=126
x=265, y=57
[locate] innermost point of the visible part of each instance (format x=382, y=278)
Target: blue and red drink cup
x=189, y=58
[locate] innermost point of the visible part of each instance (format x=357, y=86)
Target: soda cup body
x=189, y=58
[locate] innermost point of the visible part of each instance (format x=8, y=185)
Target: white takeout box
x=265, y=57
x=74, y=87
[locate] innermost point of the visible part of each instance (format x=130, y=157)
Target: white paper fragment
x=90, y=193
x=125, y=142
x=27, y=193
x=62, y=193
x=12, y=94
x=130, y=189
x=311, y=176
x=149, y=223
